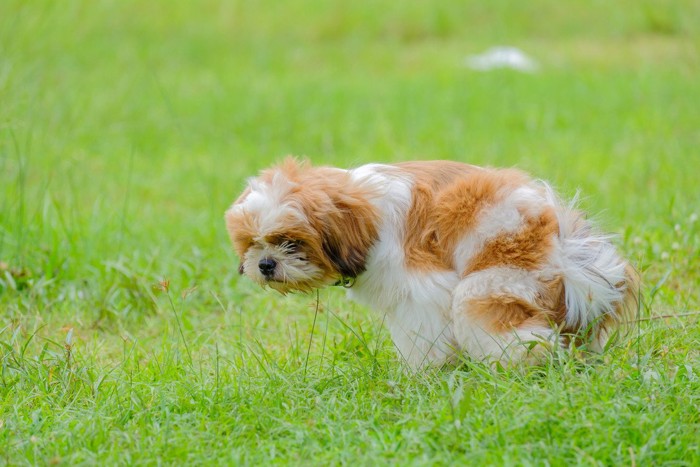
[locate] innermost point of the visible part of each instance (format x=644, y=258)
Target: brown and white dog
x=461, y=259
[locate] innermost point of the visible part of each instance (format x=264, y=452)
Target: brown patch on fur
x=422, y=248
x=447, y=199
x=527, y=249
x=291, y=167
x=422, y=245
x=502, y=313
x=437, y=174
x=240, y=228
x=552, y=298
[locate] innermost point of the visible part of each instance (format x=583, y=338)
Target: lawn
x=128, y=127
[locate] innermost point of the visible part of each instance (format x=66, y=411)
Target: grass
x=126, y=129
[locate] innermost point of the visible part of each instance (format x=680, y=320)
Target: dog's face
x=296, y=228
x=283, y=254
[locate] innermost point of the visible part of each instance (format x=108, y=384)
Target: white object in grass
x=502, y=57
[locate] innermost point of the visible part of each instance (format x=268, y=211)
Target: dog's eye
x=292, y=246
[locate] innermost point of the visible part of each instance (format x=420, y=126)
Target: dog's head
x=297, y=227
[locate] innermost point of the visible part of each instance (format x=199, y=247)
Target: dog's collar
x=345, y=282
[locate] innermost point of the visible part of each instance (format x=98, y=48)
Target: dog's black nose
x=267, y=266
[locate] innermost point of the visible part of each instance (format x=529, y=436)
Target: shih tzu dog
x=463, y=260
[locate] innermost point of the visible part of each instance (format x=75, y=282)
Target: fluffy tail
x=600, y=287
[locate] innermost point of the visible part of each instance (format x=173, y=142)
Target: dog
x=464, y=261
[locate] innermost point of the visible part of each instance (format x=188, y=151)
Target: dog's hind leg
x=498, y=316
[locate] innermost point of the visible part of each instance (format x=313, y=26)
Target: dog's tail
x=600, y=287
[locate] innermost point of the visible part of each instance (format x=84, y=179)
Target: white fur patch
x=416, y=304
x=497, y=281
x=264, y=203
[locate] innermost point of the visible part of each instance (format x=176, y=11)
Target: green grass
x=126, y=129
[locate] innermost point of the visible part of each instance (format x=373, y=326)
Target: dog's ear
x=347, y=259
x=237, y=224
x=348, y=233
